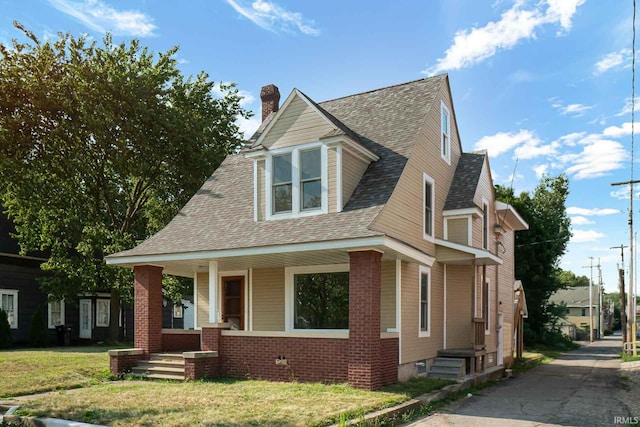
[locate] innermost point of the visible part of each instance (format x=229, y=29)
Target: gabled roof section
x=465, y=182
x=577, y=296
x=220, y=215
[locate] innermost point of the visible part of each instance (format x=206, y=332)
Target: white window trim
x=469, y=227
x=487, y=328
x=296, y=212
x=13, y=292
x=485, y=205
x=289, y=298
x=424, y=269
x=426, y=178
x=98, y=323
x=62, y=312
x=446, y=157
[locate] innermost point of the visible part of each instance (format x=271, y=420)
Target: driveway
x=580, y=388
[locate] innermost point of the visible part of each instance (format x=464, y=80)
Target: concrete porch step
x=159, y=376
x=447, y=368
x=167, y=357
x=161, y=366
x=162, y=363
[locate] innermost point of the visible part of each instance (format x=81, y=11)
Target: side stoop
x=169, y=366
x=447, y=368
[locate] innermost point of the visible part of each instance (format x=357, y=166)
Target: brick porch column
x=148, y=308
x=365, y=367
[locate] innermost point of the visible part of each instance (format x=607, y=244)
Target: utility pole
x=623, y=314
x=590, y=267
x=600, y=312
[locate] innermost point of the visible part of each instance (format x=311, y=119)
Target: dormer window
x=297, y=183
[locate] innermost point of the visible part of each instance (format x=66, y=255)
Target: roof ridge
x=385, y=87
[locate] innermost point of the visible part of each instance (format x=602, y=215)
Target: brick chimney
x=270, y=96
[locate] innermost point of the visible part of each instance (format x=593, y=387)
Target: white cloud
x=472, y=46
x=574, y=210
x=101, y=17
x=598, y=157
x=274, y=18
x=627, y=107
x=623, y=193
x=581, y=236
x=540, y=170
x=619, y=131
x=248, y=126
x=574, y=110
x=532, y=148
x=247, y=98
x=613, y=60
x=572, y=138
x=503, y=142
x=581, y=220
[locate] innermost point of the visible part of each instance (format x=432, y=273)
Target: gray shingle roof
x=465, y=182
x=574, y=297
x=220, y=214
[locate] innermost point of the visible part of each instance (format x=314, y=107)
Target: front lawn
x=38, y=370
x=222, y=402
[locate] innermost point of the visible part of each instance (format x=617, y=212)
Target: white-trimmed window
x=56, y=313
x=9, y=303
x=297, y=181
x=445, y=133
x=428, y=201
x=424, y=301
x=103, y=312
x=485, y=224
x=317, y=298
x=487, y=305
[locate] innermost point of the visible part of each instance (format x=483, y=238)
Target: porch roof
x=310, y=253
x=457, y=254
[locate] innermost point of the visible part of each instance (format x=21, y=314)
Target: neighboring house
x=520, y=312
x=576, y=300
x=350, y=240
x=86, y=320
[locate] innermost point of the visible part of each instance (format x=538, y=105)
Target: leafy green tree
x=38, y=336
x=538, y=250
x=5, y=330
x=100, y=146
x=569, y=279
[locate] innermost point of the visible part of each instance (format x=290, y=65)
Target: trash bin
x=67, y=337
x=60, y=332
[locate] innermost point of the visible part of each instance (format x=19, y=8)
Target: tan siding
x=268, y=299
x=485, y=189
x=203, y=299
x=413, y=346
x=331, y=173
x=402, y=215
x=458, y=230
x=388, y=296
x=298, y=124
x=459, y=307
x=352, y=170
x=261, y=189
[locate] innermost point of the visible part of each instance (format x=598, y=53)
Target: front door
x=85, y=319
x=233, y=301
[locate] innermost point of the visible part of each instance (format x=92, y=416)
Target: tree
x=538, y=250
x=5, y=330
x=38, y=336
x=100, y=146
x=568, y=279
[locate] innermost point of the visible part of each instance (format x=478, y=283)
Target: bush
x=5, y=330
x=38, y=334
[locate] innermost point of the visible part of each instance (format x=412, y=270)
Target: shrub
x=5, y=330
x=38, y=334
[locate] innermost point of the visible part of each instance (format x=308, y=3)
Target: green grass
x=79, y=379
x=628, y=357
x=39, y=370
x=223, y=402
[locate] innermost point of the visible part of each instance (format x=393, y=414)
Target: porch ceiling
x=187, y=264
x=457, y=254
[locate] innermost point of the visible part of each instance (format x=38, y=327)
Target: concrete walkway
x=580, y=388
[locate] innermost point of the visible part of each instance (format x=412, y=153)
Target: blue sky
x=544, y=85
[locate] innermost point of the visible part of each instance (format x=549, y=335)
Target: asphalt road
x=581, y=388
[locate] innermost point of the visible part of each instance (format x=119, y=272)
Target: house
x=86, y=320
x=520, y=312
x=351, y=240
x=576, y=300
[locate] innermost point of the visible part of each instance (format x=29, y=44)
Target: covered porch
x=252, y=318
